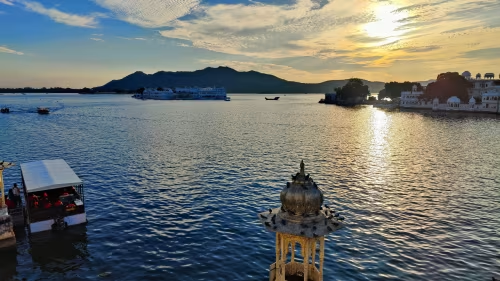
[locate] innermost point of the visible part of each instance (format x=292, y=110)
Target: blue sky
x=77, y=43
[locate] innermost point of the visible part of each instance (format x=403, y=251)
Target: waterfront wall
x=492, y=108
x=417, y=105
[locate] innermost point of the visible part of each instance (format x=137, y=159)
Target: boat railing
x=37, y=214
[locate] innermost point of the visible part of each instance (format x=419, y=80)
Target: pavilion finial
x=300, y=222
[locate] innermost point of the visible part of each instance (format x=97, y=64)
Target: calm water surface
x=173, y=187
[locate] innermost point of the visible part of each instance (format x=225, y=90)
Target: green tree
x=393, y=90
x=447, y=85
x=353, y=91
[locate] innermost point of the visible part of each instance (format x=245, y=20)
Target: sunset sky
x=78, y=43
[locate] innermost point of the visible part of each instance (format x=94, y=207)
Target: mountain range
x=234, y=81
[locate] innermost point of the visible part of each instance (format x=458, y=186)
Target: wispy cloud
x=304, y=28
x=88, y=21
x=7, y=2
x=483, y=53
x=132, y=38
x=95, y=34
x=149, y=13
x=97, y=39
x=4, y=49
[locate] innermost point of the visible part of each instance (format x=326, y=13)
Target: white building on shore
x=484, y=97
x=411, y=99
x=481, y=85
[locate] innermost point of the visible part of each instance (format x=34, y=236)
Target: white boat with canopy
x=54, y=195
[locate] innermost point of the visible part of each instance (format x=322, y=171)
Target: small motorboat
x=228, y=99
x=275, y=98
x=42, y=110
x=4, y=110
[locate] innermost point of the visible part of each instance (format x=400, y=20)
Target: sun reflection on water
x=380, y=123
x=378, y=147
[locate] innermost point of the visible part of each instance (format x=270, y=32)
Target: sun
x=387, y=22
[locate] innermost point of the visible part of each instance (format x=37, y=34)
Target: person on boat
x=32, y=198
x=65, y=192
x=17, y=195
x=35, y=205
x=9, y=203
x=58, y=203
x=47, y=205
x=70, y=206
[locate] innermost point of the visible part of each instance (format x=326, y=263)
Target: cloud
x=97, y=34
x=250, y=30
x=483, y=53
x=7, y=2
x=421, y=49
x=373, y=35
x=4, y=49
x=335, y=29
x=132, y=38
x=149, y=13
x=97, y=39
x=88, y=21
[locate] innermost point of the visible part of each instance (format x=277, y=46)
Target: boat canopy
x=48, y=174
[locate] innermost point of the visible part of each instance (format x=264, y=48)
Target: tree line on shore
x=447, y=84
x=45, y=90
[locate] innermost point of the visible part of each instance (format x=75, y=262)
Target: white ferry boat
x=185, y=93
x=53, y=195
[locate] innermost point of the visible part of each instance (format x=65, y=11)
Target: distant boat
x=4, y=110
x=185, y=93
x=275, y=98
x=228, y=99
x=42, y=110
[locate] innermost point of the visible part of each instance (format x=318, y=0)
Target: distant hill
x=234, y=82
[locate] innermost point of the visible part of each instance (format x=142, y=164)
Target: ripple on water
x=173, y=188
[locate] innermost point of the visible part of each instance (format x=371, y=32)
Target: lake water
x=173, y=188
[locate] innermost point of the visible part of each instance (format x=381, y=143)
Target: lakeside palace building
x=486, y=90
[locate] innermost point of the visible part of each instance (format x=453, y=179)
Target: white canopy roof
x=48, y=174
